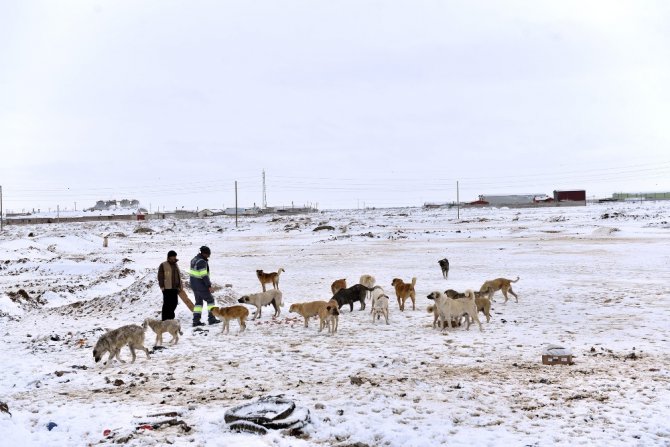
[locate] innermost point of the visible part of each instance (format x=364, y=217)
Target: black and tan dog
x=352, y=294
x=403, y=291
x=269, y=278
x=444, y=265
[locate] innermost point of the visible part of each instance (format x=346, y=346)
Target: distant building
x=576, y=195
x=641, y=196
x=510, y=199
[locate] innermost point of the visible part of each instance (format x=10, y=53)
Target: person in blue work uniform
x=202, y=286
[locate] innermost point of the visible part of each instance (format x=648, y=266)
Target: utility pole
x=458, y=203
x=265, y=199
x=235, y=203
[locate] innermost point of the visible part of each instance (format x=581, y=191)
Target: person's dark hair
x=171, y=253
x=205, y=249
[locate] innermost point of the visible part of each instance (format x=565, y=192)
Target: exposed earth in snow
x=593, y=279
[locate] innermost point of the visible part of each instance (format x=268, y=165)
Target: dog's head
x=145, y=323
x=443, y=262
x=259, y=272
x=332, y=310
x=99, y=350
x=295, y=307
x=433, y=295
x=396, y=282
x=243, y=299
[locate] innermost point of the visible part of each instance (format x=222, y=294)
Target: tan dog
x=453, y=308
x=338, y=284
x=329, y=316
x=231, y=313
x=503, y=284
x=261, y=299
x=436, y=316
x=367, y=280
x=269, y=278
x=481, y=300
x=404, y=291
x=308, y=309
x=172, y=327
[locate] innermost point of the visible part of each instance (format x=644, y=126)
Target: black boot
x=212, y=320
x=196, y=320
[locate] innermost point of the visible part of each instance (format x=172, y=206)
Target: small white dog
x=450, y=308
x=172, y=327
x=380, y=307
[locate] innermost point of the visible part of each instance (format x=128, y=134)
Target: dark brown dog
x=444, y=265
x=404, y=291
x=269, y=278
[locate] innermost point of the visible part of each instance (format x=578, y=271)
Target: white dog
x=380, y=307
x=273, y=296
x=449, y=308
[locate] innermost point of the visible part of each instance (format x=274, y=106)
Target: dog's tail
x=281, y=269
x=430, y=309
x=279, y=298
x=517, y=278
x=469, y=294
x=413, y=281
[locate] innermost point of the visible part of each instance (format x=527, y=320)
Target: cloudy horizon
x=343, y=105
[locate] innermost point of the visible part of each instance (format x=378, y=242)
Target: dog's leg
x=243, y=325
x=413, y=296
x=132, y=352
x=306, y=321
x=516, y=298
x=386, y=315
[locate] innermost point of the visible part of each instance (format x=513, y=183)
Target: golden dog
x=308, y=309
x=404, y=291
x=502, y=284
x=231, y=313
x=269, y=278
x=338, y=284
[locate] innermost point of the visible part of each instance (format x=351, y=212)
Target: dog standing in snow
x=172, y=327
x=111, y=342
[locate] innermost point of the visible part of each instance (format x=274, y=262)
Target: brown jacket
x=169, y=276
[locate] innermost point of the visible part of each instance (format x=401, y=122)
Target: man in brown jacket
x=169, y=280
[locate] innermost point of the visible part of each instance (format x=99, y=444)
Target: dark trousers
x=170, y=300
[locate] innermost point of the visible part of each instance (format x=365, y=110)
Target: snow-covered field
x=594, y=279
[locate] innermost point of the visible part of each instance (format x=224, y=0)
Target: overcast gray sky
x=342, y=103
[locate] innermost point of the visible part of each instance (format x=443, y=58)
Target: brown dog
x=338, y=284
x=329, y=316
x=481, y=300
x=308, y=309
x=404, y=291
x=231, y=313
x=503, y=284
x=269, y=278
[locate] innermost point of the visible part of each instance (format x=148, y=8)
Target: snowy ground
x=594, y=279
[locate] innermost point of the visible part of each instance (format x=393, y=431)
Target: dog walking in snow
x=172, y=327
x=131, y=335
